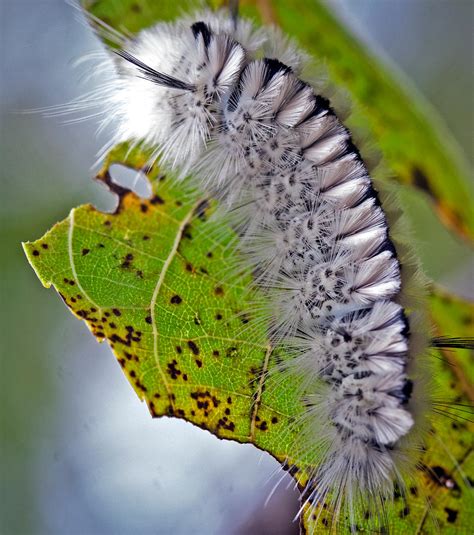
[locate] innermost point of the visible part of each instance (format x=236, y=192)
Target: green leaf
x=133, y=15
x=148, y=279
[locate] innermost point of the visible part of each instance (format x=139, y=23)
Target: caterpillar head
x=169, y=88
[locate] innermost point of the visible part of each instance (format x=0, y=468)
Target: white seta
x=221, y=101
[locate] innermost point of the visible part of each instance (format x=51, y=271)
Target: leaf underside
x=150, y=280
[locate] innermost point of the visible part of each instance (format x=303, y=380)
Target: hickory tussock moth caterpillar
x=224, y=102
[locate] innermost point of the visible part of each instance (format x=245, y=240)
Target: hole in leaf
x=132, y=179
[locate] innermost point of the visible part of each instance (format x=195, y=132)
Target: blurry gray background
x=79, y=452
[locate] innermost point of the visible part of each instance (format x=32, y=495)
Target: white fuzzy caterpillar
x=215, y=102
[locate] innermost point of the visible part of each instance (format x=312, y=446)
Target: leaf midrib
x=169, y=259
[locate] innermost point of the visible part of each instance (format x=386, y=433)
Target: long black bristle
x=452, y=342
x=155, y=76
x=201, y=28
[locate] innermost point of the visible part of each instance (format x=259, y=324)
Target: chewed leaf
x=148, y=280
x=417, y=147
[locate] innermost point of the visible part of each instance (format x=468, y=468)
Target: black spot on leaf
x=452, y=515
x=156, y=199
x=193, y=347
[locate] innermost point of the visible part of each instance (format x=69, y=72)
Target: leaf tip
x=32, y=252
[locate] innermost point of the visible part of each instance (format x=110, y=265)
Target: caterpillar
x=226, y=103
